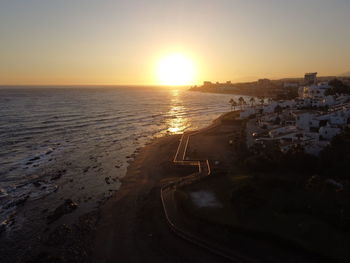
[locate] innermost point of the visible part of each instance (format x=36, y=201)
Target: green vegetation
x=338, y=87
x=295, y=197
x=271, y=159
x=231, y=116
x=300, y=209
x=333, y=162
x=335, y=159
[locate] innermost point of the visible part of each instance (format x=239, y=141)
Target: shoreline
x=131, y=226
x=134, y=224
x=78, y=226
x=121, y=226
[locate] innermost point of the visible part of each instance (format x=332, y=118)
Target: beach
x=132, y=227
x=67, y=152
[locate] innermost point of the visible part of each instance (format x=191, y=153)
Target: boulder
x=67, y=207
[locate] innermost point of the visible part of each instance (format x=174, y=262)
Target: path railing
x=169, y=188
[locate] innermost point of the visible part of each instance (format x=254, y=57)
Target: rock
x=34, y=159
x=49, y=151
x=117, y=166
x=67, y=207
x=9, y=221
x=21, y=200
x=37, y=183
x=57, y=175
x=107, y=180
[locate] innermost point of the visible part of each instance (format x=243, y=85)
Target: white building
x=310, y=78
x=328, y=132
x=305, y=119
x=315, y=91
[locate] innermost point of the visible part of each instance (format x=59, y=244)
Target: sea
x=59, y=143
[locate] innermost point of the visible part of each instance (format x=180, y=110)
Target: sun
x=176, y=70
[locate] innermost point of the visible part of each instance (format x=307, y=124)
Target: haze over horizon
x=121, y=42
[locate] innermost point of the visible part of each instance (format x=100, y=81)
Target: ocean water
x=59, y=143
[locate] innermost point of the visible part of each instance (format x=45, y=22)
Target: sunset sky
x=121, y=42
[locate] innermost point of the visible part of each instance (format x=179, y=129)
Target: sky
x=85, y=42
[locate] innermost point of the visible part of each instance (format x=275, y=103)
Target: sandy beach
x=132, y=227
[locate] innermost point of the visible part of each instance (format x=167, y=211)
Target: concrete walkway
x=175, y=220
x=238, y=247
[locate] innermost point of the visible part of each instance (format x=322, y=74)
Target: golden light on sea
x=178, y=122
x=176, y=69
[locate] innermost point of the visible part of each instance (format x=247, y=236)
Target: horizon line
x=155, y=85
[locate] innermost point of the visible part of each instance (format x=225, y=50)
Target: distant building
x=264, y=82
x=310, y=78
x=290, y=84
x=206, y=83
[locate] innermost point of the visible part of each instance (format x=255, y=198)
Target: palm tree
x=241, y=101
x=262, y=100
x=278, y=109
x=252, y=101
x=233, y=104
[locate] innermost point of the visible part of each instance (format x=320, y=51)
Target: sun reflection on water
x=177, y=122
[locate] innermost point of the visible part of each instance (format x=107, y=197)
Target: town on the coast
x=319, y=113
x=311, y=115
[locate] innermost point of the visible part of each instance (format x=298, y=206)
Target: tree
x=241, y=102
x=233, y=104
x=278, y=109
x=337, y=87
x=335, y=158
x=252, y=101
x=262, y=100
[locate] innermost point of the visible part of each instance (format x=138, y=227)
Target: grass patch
x=280, y=205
